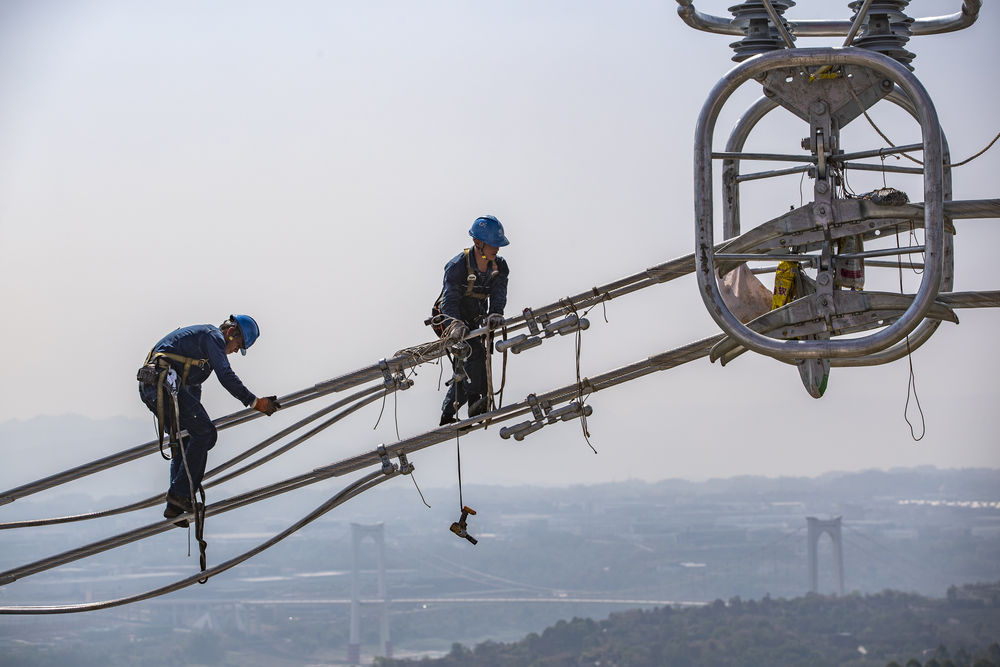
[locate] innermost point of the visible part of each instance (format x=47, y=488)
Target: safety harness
x=156, y=370
x=438, y=319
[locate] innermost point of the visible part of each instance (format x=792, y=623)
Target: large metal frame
x=731, y=223
x=788, y=66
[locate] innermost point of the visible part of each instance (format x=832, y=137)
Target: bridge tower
x=358, y=533
x=816, y=529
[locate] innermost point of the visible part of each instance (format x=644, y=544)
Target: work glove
x=456, y=332
x=494, y=320
x=267, y=404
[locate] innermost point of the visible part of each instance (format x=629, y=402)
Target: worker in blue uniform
x=170, y=386
x=474, y=294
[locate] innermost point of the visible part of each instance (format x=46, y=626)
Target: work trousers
x=474, y=387
x=201, y=437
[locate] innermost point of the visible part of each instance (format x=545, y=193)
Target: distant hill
x=889, y=628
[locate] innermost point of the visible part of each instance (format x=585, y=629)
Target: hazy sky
x=316, y=163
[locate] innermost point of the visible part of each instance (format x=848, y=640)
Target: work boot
x=447, y=418
x=175, y=507
x=477, y=406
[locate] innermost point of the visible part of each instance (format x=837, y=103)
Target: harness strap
x=470, y=282
x=161, y=361
x=199, y=531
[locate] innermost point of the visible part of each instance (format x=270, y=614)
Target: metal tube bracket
x=405, y=467
x=388, y=467
x=566, y=325
x=572, y=410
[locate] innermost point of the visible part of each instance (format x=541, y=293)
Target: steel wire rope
x=154, y=500
x=358, y=396
x=125, y=456
x=352, y=490
x=639, y=369
x=659, y=362
x=298, y=440
x=882, y=134
x=405, y=359
x=663, y=361
x=662, y=273
x=225, y=505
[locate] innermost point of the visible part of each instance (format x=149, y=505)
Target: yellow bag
x=784, y=284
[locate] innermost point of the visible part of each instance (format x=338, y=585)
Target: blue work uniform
x=489, y=295
x=199, y=342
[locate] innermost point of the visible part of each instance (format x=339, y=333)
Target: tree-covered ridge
x=886, y=629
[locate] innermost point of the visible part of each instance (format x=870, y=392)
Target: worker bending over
x=170, y=386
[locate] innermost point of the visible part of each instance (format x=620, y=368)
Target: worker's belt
x=155, y=373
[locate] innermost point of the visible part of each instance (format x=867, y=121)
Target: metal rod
x=877, y=152
x=750, y=257
x=758, y=175
x=885, y=252
x=862, y=166
x=771, y=157
x=892, y=265
x=858, y=20
x=779, y=24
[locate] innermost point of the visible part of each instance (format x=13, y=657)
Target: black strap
x=199, y=531
x=491, y=270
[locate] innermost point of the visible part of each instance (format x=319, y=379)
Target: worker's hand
x=457, y=331
x=494, y=320
x=268, y=405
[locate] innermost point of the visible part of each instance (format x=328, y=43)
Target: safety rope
x=850, y=88
x=193, y=492
x=458, y=452
x=503, y=369
x=490, y=404
x=450, y=333
x=911, y=383
x=581, y=399
x=970, y=159
x=395, y=410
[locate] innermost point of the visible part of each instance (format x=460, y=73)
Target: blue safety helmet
x=488, y=230
x=249, y=330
